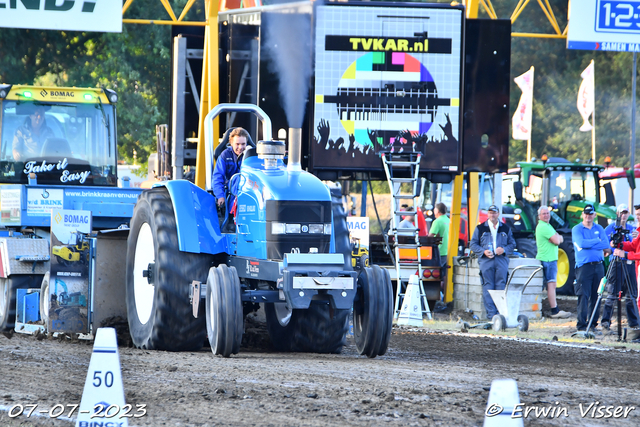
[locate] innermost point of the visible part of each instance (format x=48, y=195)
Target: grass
x=539, y=329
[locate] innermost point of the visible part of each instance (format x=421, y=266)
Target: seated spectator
x=228, y=164
x=29, y=138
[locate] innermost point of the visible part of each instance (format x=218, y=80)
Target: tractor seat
x=249, y=152
x=56, y=147
x=225, y=143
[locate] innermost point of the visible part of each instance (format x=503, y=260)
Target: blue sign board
x=608, y=25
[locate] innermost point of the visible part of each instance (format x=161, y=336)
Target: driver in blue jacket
x=228, y=164
x=493, y=242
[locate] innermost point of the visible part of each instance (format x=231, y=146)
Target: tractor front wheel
x=224, y=311
x=373, y=312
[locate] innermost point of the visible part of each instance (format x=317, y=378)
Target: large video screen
x=387, y=79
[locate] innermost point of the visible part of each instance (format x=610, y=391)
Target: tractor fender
x=196, y=218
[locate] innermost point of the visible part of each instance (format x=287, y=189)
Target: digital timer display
x=618, y=16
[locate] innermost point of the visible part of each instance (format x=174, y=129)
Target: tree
x=135, y=63
x=557, y=78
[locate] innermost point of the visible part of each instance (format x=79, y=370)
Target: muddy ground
x=429, y=376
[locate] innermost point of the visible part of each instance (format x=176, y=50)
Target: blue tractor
x=289, y=250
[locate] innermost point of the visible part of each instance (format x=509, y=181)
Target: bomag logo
x=62, y=94
x=76, y=219
x=44, y=93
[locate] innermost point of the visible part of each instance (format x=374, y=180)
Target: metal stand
x=618, y=263
x=407, y=165
x=588, y=334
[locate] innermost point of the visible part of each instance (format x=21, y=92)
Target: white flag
x=521, y=122
x=586, y=97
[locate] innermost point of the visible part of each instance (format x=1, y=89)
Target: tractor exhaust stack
x=295, y=149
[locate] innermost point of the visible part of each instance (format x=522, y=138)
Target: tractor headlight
x=277, y=228
x=292, y=228
x=316, y=228
x=327, y=229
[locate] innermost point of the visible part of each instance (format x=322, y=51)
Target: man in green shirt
x=440, y=228
x=547, y=240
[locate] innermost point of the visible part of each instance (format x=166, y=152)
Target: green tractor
x=566, y=187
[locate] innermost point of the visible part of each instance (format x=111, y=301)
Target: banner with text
x=612, y=25
x=72, y=15
x=69, y=275
x=359, y=230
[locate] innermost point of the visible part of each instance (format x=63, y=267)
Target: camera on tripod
x=620, y=233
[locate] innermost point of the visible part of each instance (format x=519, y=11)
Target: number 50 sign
x=103, y=395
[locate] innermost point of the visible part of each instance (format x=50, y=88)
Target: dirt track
x=426, y=378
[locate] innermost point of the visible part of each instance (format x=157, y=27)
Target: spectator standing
x=440, y=228
x=591, y=244
x=547, y=241
x=493, y=242
x=407, y=220
x=634, y=234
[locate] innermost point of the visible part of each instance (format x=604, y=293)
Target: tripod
x=619, y=271
x=615, y=261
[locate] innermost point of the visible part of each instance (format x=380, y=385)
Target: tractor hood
x=279, y=183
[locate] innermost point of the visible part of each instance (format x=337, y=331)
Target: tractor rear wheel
x=340, y=228
x=566, y=267
x=224, y=311
x=320, y=328
x=279, y=325
x=373, y=312
x=158, y=278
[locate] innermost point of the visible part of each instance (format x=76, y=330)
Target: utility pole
x=633, y=128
